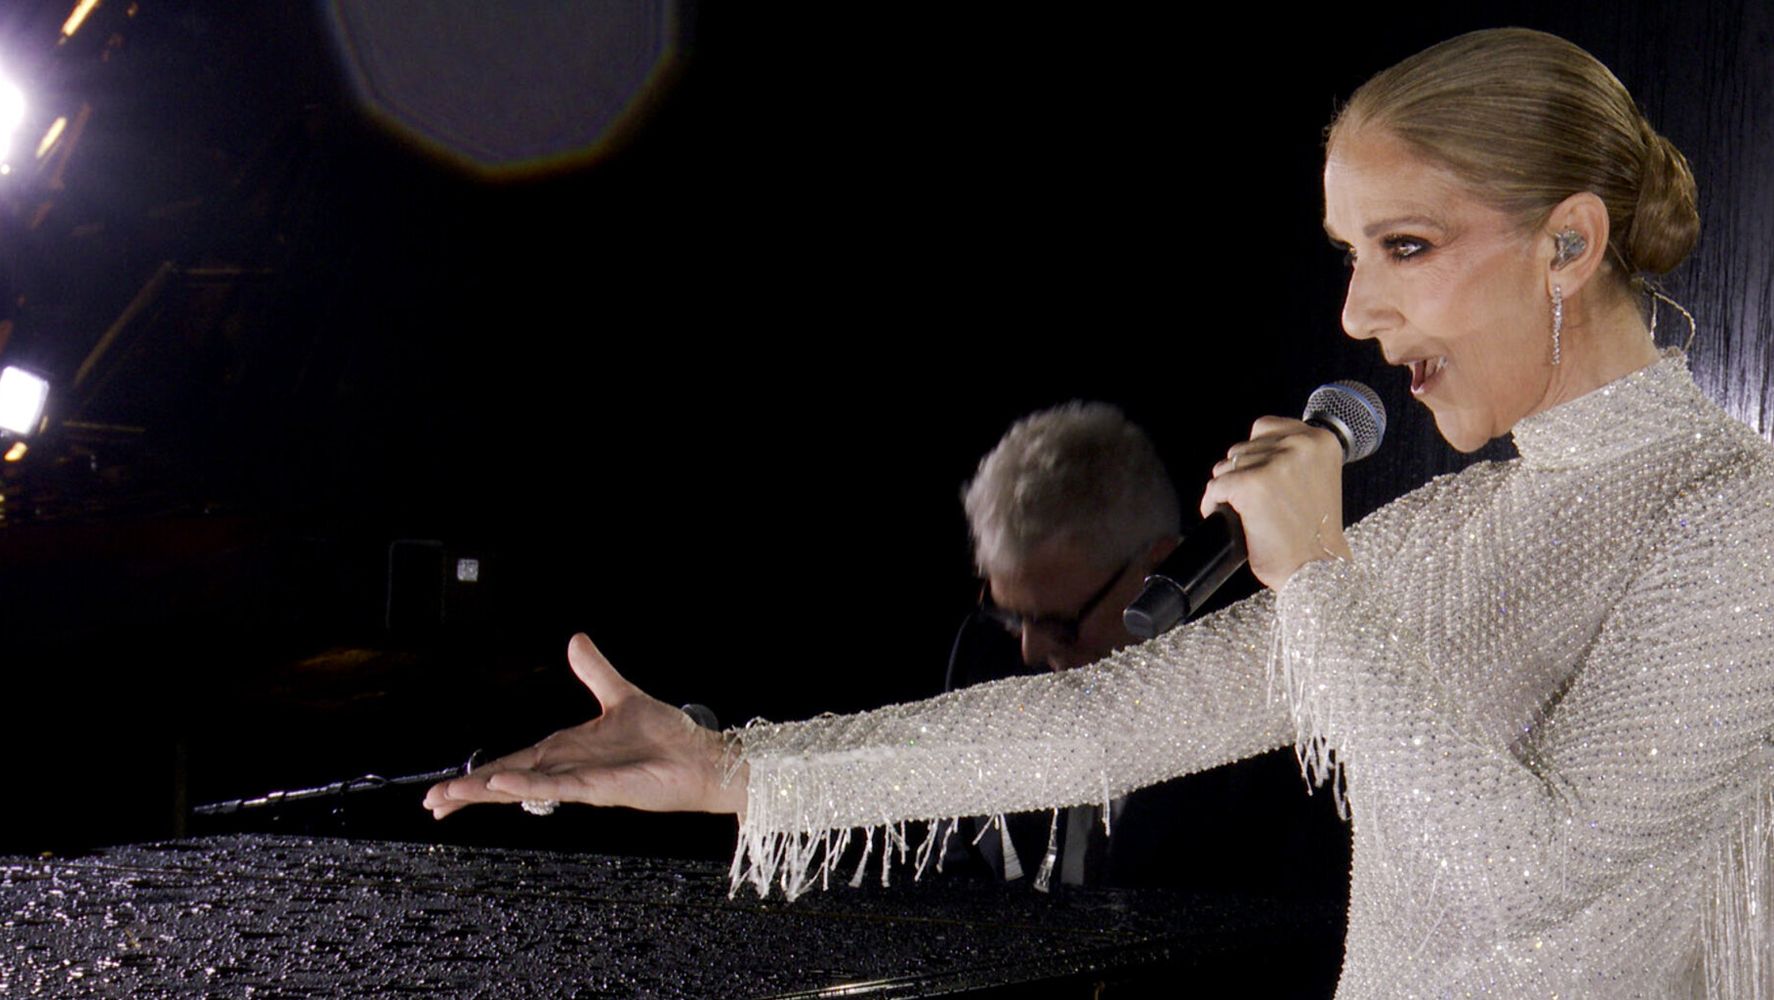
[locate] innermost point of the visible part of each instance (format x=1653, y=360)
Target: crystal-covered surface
x=289, y=917
x=1545, y=686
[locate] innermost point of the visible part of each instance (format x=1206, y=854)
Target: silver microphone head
x=1352, y=412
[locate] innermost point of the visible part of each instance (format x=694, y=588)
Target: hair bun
x=1666, y=221
x=1526, y=120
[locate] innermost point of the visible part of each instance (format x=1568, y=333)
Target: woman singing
x=1544, y=688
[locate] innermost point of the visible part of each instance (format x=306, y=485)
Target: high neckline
x=1656, y=402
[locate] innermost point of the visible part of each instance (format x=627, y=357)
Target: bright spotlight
x=12, y=113
x=22, y=397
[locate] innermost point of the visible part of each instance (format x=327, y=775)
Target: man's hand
x=640, y=753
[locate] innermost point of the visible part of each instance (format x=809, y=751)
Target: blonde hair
x=1527, y=119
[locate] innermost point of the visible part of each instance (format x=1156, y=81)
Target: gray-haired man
x=1068, y=513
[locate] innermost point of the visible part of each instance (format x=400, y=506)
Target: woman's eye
x=1399, y=248
x=1405, y=247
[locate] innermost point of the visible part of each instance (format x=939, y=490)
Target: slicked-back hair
x=1527, y=119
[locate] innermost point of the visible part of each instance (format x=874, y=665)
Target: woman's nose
x=1362, y=312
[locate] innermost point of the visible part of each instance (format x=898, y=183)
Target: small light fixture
x=22, y=398
x=14, y=454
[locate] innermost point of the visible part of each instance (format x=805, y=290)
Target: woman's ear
x=1575, y=242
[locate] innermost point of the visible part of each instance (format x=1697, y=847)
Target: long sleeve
x=1183, y=702
x=1530, y=864
x=1545, y=688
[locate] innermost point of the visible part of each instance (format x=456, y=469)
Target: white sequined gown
x=1548, y=684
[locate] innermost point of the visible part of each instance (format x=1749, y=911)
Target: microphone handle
x=1206, y=558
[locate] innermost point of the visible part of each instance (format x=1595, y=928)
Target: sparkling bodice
x=1545, y=687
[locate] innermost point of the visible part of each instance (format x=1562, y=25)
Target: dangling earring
x=1567, y=246
x=1558, y=321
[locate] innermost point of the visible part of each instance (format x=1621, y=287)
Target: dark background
x=708, y=395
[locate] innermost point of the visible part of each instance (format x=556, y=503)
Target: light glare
x=14, y=453
x=49, y=137
x=12, y=113
x=12, y=105
x=78, y=17
x=22, y=396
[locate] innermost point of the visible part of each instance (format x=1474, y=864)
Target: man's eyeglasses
x=1062, y=629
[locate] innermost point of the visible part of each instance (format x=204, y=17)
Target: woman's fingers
x=1286, y=485
x=1270, y=438
x=508, y=779
x=1244, y=457
x=455, y=793
x=569, y=785
x=1242, y=461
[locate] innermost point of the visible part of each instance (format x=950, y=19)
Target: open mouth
x=1424, y=373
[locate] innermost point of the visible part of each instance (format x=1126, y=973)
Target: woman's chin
x=1463, y=436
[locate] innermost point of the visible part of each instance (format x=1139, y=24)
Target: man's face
x=1052, y=586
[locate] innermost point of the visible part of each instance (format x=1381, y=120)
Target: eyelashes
x=1399, y=248
x=1404, y=247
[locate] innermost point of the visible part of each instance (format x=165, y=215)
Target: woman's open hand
x=640, y=753
x=1286, y=483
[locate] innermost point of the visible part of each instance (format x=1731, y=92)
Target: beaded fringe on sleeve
x=1739, y=931
x=1185, y=702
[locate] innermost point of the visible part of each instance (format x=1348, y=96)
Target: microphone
x=702, y=715
x=1210, y=554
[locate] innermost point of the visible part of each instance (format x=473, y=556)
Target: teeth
x=1424, y=369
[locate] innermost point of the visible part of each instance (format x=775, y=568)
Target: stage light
x=15, y=453
x=22, y=398
x=509, y=89
x=12, y=114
